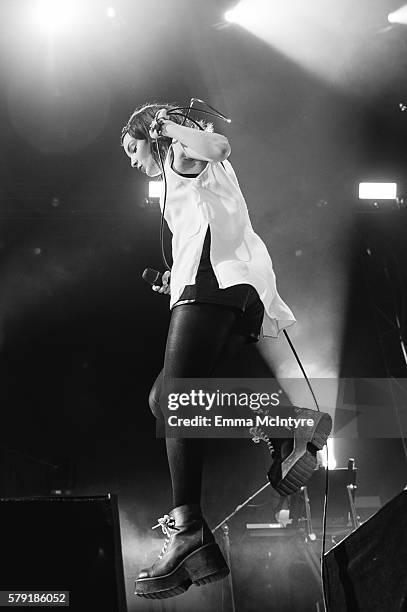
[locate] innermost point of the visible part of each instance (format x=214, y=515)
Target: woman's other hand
x=165, y=287
x=157, y=125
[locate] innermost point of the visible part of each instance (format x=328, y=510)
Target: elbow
x=222, y=150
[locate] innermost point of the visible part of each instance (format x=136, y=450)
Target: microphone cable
x=163, y=257
x=325, y=508
x=162, y=169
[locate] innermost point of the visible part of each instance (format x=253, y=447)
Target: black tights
x=200, y=338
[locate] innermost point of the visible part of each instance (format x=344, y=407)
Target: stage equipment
x=284, y=570
x=377, y=191
x=226, y=541
x=367, y=570
x=342, y=515
x=398, y=16
x=226, y=544
x=319, y=512
x=60, y=544
x=311, y=557
x=366, y=506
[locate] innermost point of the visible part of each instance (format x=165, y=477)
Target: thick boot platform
x=202, y=566
x=296, y=458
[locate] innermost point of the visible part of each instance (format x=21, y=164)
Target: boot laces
x=258, y=434
x=167, y=524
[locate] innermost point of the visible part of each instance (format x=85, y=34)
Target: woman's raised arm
x=197, y=144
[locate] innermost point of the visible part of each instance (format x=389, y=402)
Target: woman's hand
x=158, y=123
x=165, y=287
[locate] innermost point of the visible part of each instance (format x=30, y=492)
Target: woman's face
x=140, y=155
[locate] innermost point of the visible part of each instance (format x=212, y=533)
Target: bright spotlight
x=399, y=16
x=111, y=12
x=242, y=13
x=231, y=16
x=377, y=191
x=155, y=189
x=331, y=457
x=51, y=15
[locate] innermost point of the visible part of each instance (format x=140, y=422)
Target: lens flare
x=243, y=13
x=111, y=12
x=55, y=15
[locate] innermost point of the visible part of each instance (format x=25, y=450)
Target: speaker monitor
x=368, y=569
x=63, y=544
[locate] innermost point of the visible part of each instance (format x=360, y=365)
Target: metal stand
x=353, y=515
x=310, y=531
x=226, y=541
x=236, y=510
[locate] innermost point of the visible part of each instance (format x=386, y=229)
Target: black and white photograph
x=203, y=305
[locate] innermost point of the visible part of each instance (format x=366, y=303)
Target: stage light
x=240, y=13
x=111, y=12
x=331, y=456
x=377, y=191
x=155, y=189
x=399, y=16
x=51, y=15
x=231, y=16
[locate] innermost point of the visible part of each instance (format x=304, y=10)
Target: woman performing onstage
x=223, y=291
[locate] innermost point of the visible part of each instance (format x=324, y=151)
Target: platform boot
x=190, y=555
x=294, y=458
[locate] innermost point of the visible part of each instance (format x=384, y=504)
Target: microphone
x=153, y=277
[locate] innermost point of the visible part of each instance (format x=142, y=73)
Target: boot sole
x=288, y=475
x=200, y=567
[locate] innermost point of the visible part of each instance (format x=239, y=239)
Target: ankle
x=186, y=509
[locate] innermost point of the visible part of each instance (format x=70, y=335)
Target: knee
x=154, y=397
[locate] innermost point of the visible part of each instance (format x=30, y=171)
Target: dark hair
x=139, y=124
